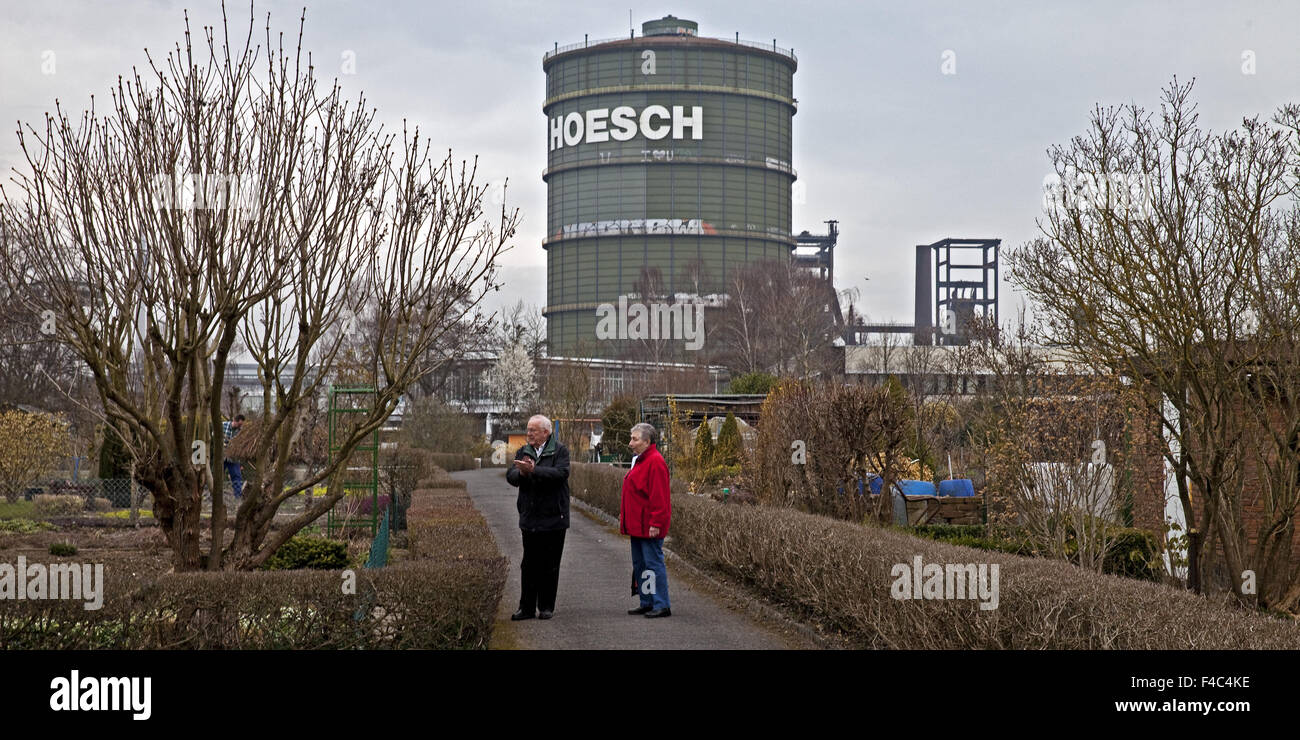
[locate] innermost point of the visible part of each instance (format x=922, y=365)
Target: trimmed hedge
x=452, y=461
x=1134, y=553
x=440, y=479
x=839, y=574
x=413, y=604
x=444, y=596
x=444, y=525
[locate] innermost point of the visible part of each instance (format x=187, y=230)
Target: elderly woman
x=644, y=515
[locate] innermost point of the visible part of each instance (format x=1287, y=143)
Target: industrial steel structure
x=669, y=168
x=962, y=289
x=951, y=292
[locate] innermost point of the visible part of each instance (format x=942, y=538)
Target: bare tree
x=777, y=317
x=1061, y=446
x=523, y=325
x=226, y=199
x=817, y=441
x=1171, y=260
x=570, y=395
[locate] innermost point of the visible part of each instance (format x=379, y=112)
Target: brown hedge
x=838, y=574
x=452, y=461
x=439, y=478
x=416, y=604
x=444, y=596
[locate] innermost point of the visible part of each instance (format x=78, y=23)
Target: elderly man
x=541, y=472
x=644, y=514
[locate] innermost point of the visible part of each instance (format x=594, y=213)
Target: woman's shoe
x=653, y=613
x=639, y=610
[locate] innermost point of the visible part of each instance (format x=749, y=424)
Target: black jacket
x=543, y=501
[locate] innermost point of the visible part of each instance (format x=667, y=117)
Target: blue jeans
x=236, y=474
x=649, y=571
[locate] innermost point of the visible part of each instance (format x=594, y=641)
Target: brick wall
x=1253, y=508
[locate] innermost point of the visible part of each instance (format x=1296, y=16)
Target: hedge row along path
x=594, y=596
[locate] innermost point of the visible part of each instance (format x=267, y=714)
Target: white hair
x=545, y=422
x=646, y=432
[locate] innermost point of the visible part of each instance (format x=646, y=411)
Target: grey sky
x=897, y=151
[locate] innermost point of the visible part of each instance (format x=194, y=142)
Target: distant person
x=233, y=469
x=644, y=515
x=541, y=472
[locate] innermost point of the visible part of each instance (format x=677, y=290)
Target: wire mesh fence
x=116, y=490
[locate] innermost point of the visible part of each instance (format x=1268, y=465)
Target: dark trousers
x=540, y=570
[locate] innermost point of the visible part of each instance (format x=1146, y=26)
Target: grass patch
x=63, y=549
x=24, y=526
x=17, y=510
x=126, y=514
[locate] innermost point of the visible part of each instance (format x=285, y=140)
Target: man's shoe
x=521, y=614
x=545, y=614
x=653, y=613
x=639, y=610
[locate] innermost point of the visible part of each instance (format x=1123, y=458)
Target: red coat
x=646, y=500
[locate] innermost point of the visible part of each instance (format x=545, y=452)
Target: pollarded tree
x=225, y=196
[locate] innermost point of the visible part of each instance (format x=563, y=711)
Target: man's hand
x=525, y=465
x=654, y=533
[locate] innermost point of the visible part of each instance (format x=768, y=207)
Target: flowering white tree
x=512, y=381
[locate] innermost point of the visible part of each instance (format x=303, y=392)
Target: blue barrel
x=957, y=487
x=916, y=487
x=876, y=484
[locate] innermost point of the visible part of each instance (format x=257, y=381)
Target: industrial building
x=669, y=168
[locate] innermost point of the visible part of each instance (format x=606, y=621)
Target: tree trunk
x=177, y=504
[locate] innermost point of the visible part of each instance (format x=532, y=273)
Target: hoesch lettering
x=599, y=125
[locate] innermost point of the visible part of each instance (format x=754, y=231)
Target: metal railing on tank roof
x=772, y=47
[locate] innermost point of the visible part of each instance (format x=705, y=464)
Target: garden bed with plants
x=441, y=594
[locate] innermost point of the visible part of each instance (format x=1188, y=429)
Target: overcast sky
x=899, y=152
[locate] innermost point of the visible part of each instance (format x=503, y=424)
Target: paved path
x=591, y=607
